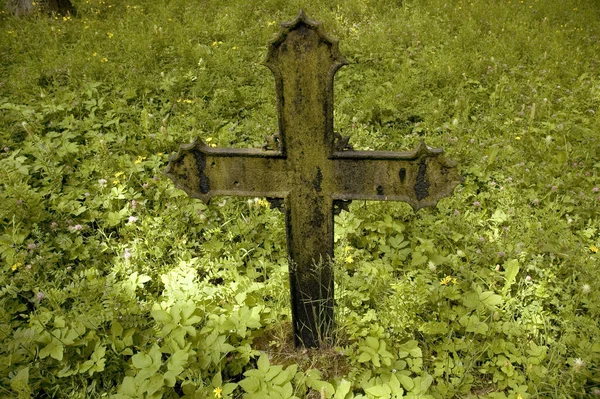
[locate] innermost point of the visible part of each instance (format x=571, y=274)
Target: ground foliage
x=116, y=284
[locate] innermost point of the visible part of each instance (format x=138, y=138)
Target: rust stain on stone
x=318, y=180
x=422, y=184
x=402, y=175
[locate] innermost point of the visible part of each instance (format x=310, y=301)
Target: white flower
x=578, y=363
x=586, y=288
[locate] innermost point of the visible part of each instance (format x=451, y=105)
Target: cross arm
x=420, y=177
x=204, y=172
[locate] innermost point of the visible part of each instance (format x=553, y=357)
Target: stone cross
x=310, y=171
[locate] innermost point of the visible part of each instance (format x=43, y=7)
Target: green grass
x=182, y=301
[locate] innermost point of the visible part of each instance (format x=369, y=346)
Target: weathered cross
x=312, y=169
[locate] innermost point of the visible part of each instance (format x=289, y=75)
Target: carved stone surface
x=311, y=169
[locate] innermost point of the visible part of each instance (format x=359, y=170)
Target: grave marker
x=311, y=171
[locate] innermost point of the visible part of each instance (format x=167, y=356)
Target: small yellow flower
x=118, y=174
x=160, y=154
x=94, y=54
x=104, y=59
x=594, y=249
x=349, y=259
x=264, y=203
x=518, y=138
x=110, y=35
x=116, y=182
x=218, y=392
x=447, y=280
x=271, y=23
x=139, y=159
x=16, y=266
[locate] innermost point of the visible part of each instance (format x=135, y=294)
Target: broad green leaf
x=114, y=218
x=116, y=329
x=59, y=322
x=499, y=217
x=141, y=360
x=424, y=382
x=272, y=372
x=99, y=353
x=229, y=388
x=127, y=387
x=283, y=377
x=192, y=320
x=161, y=315
x=313, y=375
x=471, y=300
x=512, y=269
x=178, y=361
x=156, y=355
x=322, y=386
x=394, y=384
x=410, y=348
x=372, y=342
x=490, y=299
x=240, y=298
x=143, y=279
x=217, y=380
x=343, y=389
x=155, y=384
x=364, y=357
x=379, y=391
x=170, y=378
x=187, y=310
x=287, y=391
x=406, y=381
x=250, y=384
x=263, y=363
x=54, y=349
x=21, y=380
x=437, y=259
x=418, y=259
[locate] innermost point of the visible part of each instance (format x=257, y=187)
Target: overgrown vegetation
x=116, y=284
